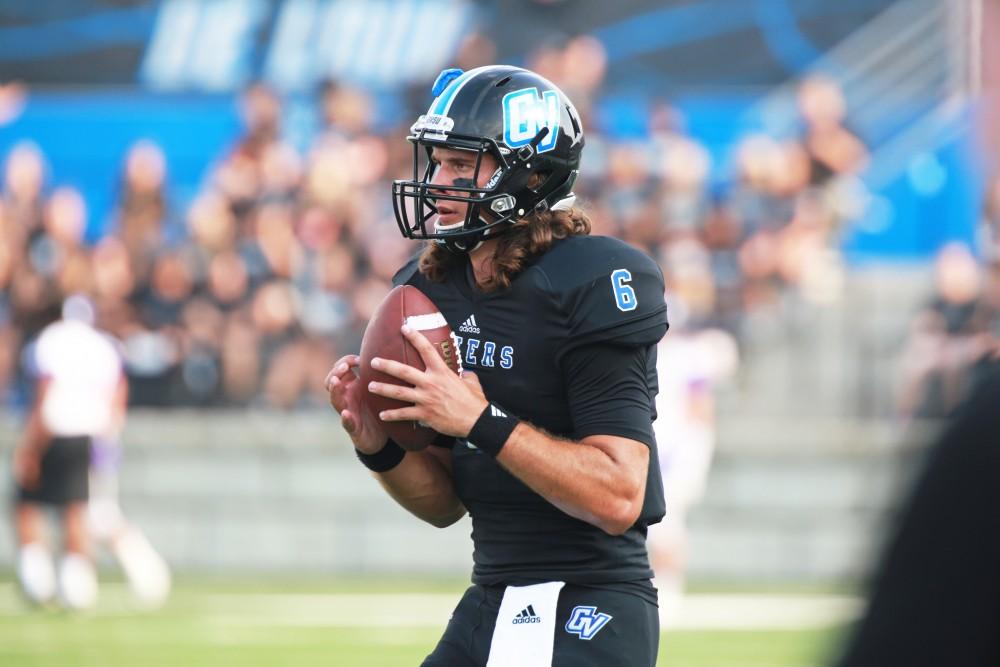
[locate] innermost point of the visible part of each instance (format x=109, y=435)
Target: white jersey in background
x=685, y=429
x=83, y=369
x=689, y=364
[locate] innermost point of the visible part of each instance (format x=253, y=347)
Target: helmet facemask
x=490, y=209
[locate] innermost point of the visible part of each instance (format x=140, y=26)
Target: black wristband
x=384, y=459
x=491, y=430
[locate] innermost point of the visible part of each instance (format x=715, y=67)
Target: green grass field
x=351, y=623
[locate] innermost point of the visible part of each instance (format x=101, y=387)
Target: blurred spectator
x=143, y=203
x=385, y=248
x=277, y=244
x=171, y=283
x=211, y=223
x=367, y=297
x=721, y=235
x=833, y=149
x=346, y=113
x=547, y=60
x=260, y=166
x=805, y=259
x=24, y=180
x=683, y=168
x=32, y=299
x=260, y=108
x=631, y=185
x=284, y=354
x=114, y=276
x=475, y=50
x=228, y=284
x=241, y=364
x=9, y=341
x=64, y=222
x=947, y=337
x=326, y=299
x=990, y=226
x=687, y=271
x=152, y=348
x=22, y=206
x=13, y=96
x=292, y=379
x=200, y=363
x=989, y=314
x=348, y=161
x=584, y=63
x=748, y=200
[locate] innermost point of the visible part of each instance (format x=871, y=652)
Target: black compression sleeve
x=609, y=392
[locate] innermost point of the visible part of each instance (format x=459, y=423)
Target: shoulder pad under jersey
x=406, y=274
x=607, y=291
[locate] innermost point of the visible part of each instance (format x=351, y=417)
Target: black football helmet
x=523, y=120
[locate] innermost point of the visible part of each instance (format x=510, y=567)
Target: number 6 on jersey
x=624, y=294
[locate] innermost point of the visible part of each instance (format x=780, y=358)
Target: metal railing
x=907, y=75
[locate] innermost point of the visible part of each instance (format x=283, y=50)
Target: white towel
x=526, y=626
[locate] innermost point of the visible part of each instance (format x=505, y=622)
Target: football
x=384, y=339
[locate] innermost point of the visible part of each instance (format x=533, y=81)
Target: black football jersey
x=570, y=348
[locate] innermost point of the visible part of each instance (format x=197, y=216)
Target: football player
x=546, y=438
x=148, y=575
x=81, y=394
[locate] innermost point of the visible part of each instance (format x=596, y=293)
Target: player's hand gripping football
x=345, y=397
x=446, y=402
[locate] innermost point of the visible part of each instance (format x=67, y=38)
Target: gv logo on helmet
x=525, y=113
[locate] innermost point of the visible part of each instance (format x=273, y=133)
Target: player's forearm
x=423, y=486
x=119, y=409
x=35, y=437
x=596, y=480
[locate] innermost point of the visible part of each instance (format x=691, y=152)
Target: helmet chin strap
x=459, y=245
x=438, y=227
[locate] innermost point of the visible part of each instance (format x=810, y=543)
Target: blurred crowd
x=247, y=294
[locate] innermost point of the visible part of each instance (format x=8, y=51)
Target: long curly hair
x=526, y=239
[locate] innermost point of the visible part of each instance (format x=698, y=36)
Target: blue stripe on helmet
x=440, y=105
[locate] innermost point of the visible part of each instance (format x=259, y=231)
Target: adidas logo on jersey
x=469, y=325
x=527, y=615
